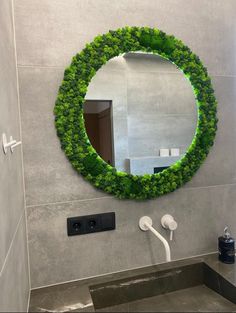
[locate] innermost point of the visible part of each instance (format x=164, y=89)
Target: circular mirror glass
x=140, y=113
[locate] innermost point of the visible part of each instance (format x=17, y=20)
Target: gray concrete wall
x=161, y=107
x=157, y=104
x=48, y=33
x=14, y=271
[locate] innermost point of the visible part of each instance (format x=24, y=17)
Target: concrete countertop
x=75, y=296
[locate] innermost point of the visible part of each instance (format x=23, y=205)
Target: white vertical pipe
x=163, y=240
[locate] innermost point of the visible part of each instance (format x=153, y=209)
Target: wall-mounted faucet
x=17, y=143
x=145, y=223
x=168, y=222
x=11, y=144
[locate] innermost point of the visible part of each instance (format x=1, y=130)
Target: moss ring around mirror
x=70, y=125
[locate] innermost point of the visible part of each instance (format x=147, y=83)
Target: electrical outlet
x=87, y=224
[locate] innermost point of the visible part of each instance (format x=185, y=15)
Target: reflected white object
x=164, y=152
x=11, y=144
x=6, y=144
x=14, y=145
x=146, y=165
x=168, y=222
x=145, y=224
x=174, y=152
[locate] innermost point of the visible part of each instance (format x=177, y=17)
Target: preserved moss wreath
x=70, y=122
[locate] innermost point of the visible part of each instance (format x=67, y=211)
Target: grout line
x=28, y=304
x=12, y=241
x=20, y=128
x=112, y=197
x=221, y=75
x=110, y=70
x=158, y=72
x=116, y=272
x=42, y=66
x=210, y=186
x=69, y=201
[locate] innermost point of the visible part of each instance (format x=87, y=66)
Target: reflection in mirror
x=140, y=113
x=98, y=121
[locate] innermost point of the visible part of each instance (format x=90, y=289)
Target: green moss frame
x=70, y=122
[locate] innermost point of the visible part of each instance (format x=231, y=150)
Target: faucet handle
x=173, y=225
x=168, y=222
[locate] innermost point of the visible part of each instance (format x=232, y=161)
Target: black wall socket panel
x=87, y=224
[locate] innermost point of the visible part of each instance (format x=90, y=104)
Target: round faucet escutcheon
x=144, y=221
x=168, y=222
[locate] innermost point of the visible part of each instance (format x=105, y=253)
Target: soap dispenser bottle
x=226, y=247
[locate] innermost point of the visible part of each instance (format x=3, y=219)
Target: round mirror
x=145, y=109
x=140, y=113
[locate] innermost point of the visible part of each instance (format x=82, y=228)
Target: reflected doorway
x=98, y=123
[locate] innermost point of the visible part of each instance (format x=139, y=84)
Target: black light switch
x=108, y=221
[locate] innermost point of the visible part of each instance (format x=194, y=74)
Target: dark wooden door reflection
x=99, y=130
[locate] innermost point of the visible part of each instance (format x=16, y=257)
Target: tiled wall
x=48, y=34
x=14, y=272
